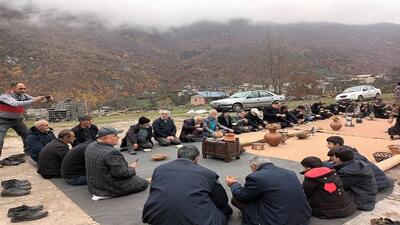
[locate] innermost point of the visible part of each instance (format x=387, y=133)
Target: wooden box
x=221, y=149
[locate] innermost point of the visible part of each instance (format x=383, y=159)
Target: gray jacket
x=12, y=106
x=206, y=124
x=108, y=173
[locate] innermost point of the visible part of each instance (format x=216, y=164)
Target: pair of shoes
x=13, y=160
x=15, y=188
x=21, y=184
x=26, y=213
x=384, y=221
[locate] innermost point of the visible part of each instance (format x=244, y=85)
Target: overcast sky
x=167, y=13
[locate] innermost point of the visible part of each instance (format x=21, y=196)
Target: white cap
x=254, y=110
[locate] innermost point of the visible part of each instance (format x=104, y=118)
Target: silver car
x=246, y=100
x=359, y=93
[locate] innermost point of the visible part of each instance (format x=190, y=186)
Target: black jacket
x=84, y=134
x=270, y=115
x=185, y=193
x=359, y=181
x=188, y=127
x=163, y=129
x=36, y=140
x=276, y=194
x=50, y=159
x=254, y=120
x=131, y=135
x=325, y=194
x=380, y=177
x=73, y=164
x=221, y=119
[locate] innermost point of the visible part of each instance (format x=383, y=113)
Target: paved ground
x=366, y=137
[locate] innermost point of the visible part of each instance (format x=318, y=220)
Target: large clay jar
x=273, y=138
x=336, y=124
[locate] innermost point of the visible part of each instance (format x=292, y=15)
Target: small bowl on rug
x=159, y=157
x=303, y=135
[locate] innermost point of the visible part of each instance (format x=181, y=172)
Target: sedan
x=359, y=93
x=246, y=100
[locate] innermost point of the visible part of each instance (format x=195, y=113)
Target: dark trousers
x=80, y=180
x=17, y=125
x=166, y=142
x=249, y=212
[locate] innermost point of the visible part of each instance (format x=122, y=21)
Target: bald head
x=42, y=125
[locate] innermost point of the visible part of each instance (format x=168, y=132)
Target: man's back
x=73, y=164
x=183, y=192
x=108, y=173
x=277, y=194
x=358, y=179
x=50, y=159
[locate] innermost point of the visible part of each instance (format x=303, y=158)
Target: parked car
x=359, y=93
x=246, y=100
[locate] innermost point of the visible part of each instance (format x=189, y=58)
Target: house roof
x=211, y=94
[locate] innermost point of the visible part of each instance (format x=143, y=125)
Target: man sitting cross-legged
x=357, y=177
x=254, y=120
x=165, y=130
x=138, y=137
x=274, y=114
x=336, y=141
x=192, y=130
x=108, y=173
x=394, y=131
x=184, y=193
x=85, y=130
x=52, y=155
x=271, y=195
x=226, y=120
x=73, y=168
x=240, y=122
x=324, y=190
x=211, y=124
x=40, y=135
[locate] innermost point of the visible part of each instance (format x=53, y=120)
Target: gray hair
x=259, y=161
x=212, y=110
x=40, y=122
x=164, y=111
x=188, y=152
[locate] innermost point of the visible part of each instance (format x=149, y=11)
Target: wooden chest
x=221, y=149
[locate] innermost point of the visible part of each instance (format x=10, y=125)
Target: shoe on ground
x=6, y=162
x=28, y=216
x=132, y=152
x=24, y=208
x=17, y=158
x=18, y=186
x=12, y=182
x=14, y=192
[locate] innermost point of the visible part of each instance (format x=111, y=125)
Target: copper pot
x=336, y=125
x=273, y=138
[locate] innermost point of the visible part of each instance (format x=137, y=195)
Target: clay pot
x=336, y=125
x=273, y=138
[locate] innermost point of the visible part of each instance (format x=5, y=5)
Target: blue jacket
x=36, y=140
x=185, y=193
x=277, y=195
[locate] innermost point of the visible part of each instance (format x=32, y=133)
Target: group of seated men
x=271, y=195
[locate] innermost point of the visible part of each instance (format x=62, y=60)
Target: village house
x=204, y=97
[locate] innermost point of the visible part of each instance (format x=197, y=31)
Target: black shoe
x=9, y=183
x=28, y=216
x=23, y=208
x=14, y=192
x=17, y=158
x=18, y=186
x=132, y=152
x=6, y=162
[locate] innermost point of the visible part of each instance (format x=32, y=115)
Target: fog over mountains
x=79, y=56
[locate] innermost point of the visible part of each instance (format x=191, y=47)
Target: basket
x=229, y=137
x=380, y=156
x=394, y=148
x=159, y=156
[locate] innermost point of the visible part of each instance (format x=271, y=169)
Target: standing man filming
x=12, y=106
